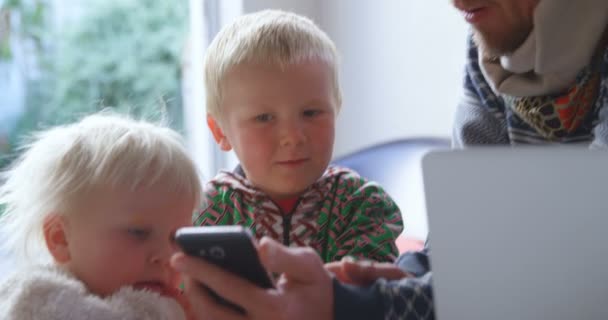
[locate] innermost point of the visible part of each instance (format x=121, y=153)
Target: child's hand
x=179, y=296
x=364, y=272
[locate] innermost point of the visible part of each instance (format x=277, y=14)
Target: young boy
x=91, y=209
x=272, y=96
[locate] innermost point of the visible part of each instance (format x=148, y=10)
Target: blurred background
x=401, y=69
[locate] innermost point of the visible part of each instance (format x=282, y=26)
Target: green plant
x=32, y=27
x=123, y=54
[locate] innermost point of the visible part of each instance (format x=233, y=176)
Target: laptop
x=518, y=233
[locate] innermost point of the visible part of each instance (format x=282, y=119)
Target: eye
x=139, y=233
x=312, y=113
x=265, y=117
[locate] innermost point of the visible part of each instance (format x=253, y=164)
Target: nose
x=293, y=133
x=163, y=253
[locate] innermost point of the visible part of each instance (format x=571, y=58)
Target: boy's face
x=121, y=238
x=280, y=123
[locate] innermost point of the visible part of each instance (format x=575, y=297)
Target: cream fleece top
x=50, y=294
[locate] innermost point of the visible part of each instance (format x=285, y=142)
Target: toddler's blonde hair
x=66, y=162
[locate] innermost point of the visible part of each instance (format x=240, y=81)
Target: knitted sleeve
x=368, y=220
x=475, y=125
x=405, y=299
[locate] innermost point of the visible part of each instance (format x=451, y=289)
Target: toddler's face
x=280, y=123
x=121, y=238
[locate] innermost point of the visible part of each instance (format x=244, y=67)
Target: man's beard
x=496, y=45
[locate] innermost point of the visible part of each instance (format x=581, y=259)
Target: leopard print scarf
x=555, y=116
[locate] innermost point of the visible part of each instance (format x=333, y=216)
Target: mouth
x=292, y=162
x=473, y=14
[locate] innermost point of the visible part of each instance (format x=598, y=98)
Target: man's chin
x=486, y=49
x=493, y=46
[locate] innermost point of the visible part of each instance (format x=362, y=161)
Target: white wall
x=402, y=68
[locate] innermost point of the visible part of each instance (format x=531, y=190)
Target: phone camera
x=217, y=252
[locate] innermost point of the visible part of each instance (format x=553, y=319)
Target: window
x=62, y=59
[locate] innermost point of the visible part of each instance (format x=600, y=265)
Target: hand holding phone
x=229, y=247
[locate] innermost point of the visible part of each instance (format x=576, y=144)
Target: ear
x=218, y=134
x=55, y=237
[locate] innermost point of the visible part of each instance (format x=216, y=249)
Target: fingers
x=334, y=267
x=227, y=285
x=363, y=272
x=366, y=272
x=337, y=269
x=297, y=264
x=203, y=306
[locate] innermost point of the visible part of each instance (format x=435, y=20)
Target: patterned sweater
x=341, y=214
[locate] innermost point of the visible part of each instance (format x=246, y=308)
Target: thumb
x=297, y=264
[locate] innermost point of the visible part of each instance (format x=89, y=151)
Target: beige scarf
x=562, y=43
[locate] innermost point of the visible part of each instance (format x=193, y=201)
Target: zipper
x=286, y=228
x=287, y=221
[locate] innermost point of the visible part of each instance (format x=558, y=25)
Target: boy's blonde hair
x=270, y=37
x=66, y=162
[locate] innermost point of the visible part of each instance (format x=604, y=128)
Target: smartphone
x=229, y=247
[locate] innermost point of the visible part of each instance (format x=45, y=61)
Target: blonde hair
x=65, y=162
x=269, y=36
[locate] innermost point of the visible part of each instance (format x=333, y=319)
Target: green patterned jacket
x=341, y=214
